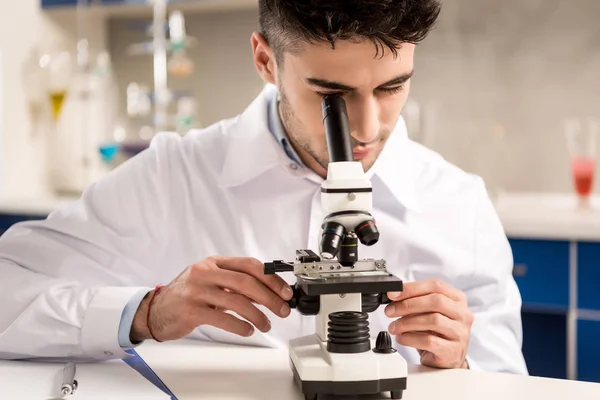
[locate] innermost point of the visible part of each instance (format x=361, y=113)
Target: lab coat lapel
x=396, y=169
x=251, y=148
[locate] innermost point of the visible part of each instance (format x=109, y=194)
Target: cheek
x=310, y=107
x=391, y=108
x=308, y=113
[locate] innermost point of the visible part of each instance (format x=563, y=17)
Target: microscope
x=339, y=288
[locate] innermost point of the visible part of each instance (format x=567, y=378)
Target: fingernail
x=268, y=326
x=250, y=331
x=394, y=295
x=285, y=310
x=287, y=293
x=392, y=328
x=390, y=310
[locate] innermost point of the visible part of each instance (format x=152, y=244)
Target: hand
x=202, y=293
x=434, y=318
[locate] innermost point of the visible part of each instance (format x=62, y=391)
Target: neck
x=307, y=159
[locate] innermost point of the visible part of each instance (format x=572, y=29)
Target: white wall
x=23, y=26
x=501, y=77
x=20, y=153
x=495, y=78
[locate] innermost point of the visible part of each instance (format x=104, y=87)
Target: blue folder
x=137, y=363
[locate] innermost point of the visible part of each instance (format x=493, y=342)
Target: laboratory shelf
x=135, y=9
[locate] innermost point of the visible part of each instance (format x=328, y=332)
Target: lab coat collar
x=252, y=150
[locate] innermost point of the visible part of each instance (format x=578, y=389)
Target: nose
x=364, y=120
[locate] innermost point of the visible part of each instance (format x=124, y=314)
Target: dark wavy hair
x=287, y=24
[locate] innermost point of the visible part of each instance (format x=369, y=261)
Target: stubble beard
x=295, y=131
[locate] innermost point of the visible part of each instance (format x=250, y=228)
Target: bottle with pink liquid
x=582, y=140
x=583, y=175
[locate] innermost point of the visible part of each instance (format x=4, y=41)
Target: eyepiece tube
x=337, y=129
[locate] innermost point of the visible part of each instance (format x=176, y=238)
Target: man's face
x=375, y=90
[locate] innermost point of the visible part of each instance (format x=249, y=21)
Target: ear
x=264, y=59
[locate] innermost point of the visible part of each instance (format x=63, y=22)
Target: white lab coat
x=231, y=190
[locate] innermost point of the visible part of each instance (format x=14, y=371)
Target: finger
x=422, y=341
x=431, y=303
x=422, y=288
x=242, y=306
x=254, y=267
x=252, y=288
x=431, y=322
x=228, y=322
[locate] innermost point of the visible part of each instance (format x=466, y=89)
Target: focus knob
x=306, y=305
x=383, y=344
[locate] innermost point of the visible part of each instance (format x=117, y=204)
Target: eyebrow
x=332, y=85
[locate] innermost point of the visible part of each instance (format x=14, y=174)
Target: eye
x=323, y=95
x=392, y=90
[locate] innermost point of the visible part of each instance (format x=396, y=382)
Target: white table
x=196, y=370
x=114, y=380
x=549, y=216
x=209, y=371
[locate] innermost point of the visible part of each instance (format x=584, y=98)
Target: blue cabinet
x=589, y=276
x=6, y=220
x=545, y=344
x=540, y=272
x=588, y=354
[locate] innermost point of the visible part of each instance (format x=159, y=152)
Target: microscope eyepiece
x=331, y=239
x=337, y=129
x=367, y=233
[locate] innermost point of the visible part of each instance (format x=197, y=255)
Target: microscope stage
x=350, y=283
x=317, y=371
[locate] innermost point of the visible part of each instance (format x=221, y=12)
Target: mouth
x=361, y=152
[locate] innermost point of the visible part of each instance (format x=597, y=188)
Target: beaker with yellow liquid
x=60, y=71
x=57, y=100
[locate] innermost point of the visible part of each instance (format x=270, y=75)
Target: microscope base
x=319, y=372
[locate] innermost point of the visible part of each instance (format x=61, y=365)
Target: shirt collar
x=276, y=126
x=257, y=143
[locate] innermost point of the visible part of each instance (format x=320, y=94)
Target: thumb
x=394, y=296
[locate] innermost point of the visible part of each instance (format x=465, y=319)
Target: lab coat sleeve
x=65, y=281
x=494, y=298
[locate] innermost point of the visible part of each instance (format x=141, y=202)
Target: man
x=201, y=213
